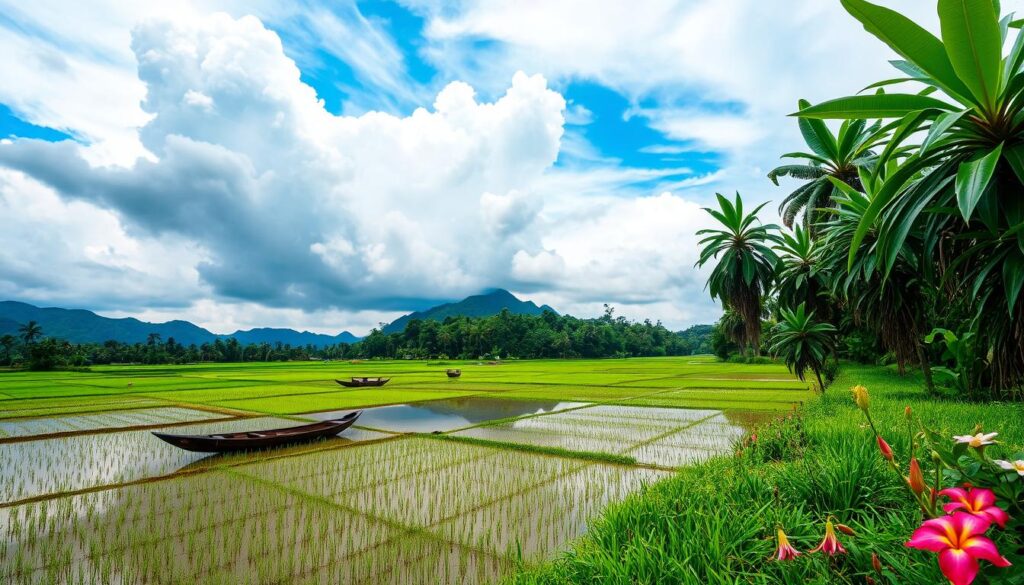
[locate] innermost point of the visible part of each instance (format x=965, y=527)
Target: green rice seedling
x=63, y=406
x=209, y=528
x=599, y=456
x=102, y=420
x=537, y=522
x=36, y=468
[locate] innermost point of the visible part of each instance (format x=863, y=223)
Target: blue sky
x=172, y=161
x=606, y=121
x=11, y=126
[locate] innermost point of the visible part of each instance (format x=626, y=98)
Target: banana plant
x=746, y=263
x=959, y=186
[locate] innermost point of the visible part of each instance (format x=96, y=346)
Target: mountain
x=9, y=327
x=483, y=305
x=81, y=326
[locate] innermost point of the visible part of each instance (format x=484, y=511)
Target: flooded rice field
x=463, y=488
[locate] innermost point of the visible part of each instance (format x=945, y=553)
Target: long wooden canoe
x=360, y=382
x=247, y=441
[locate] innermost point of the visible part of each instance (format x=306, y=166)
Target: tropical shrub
x=955, y=199
x=802, y=342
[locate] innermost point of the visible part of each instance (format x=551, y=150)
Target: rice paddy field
x=442, y=480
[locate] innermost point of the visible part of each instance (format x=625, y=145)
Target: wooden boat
x=453, y=373
x=248, y=441
x=360, y=382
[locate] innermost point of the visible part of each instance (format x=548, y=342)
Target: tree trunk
x=821, y=385
x=926, y=368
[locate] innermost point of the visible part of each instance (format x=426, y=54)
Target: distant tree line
x=504, y=335
x=547, y=335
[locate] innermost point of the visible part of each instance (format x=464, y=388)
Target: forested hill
x=485, y=305
x=698, y=337
x=81, y=326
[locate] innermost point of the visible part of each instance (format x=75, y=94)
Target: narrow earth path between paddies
x=442, y=480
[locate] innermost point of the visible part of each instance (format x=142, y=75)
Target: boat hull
x=363, y=382
x=253, y=440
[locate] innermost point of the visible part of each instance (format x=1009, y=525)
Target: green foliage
x=951, y=208
x=838, y=157
x=745, y=269
x=505, y=335
x=47, y=354
x=803, y=343
x=963, y=376
x=30, y=332
x=699, y=338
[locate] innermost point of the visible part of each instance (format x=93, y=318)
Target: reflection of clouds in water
x=445, y=415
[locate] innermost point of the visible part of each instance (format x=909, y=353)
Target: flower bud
x=860, y=396
x=845, y=530
x=876, y=563
x=885, y=448
x=916, y=479
x=906, y=413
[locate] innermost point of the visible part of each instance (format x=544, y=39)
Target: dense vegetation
x=547, y=335
x=910, y=225
x=505, y=335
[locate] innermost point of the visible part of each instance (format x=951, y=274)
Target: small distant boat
x=248, y=441
x=359, y=382
x=453, y=373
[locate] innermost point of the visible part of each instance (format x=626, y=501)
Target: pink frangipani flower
x=960, y=542
x=977, y=440
x=976, y=501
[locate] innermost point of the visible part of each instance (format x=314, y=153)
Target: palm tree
x=800, y=279
x=838, y=156
x=746, y=263
x=30, y=332
x=959, y=191
x=803, y=343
